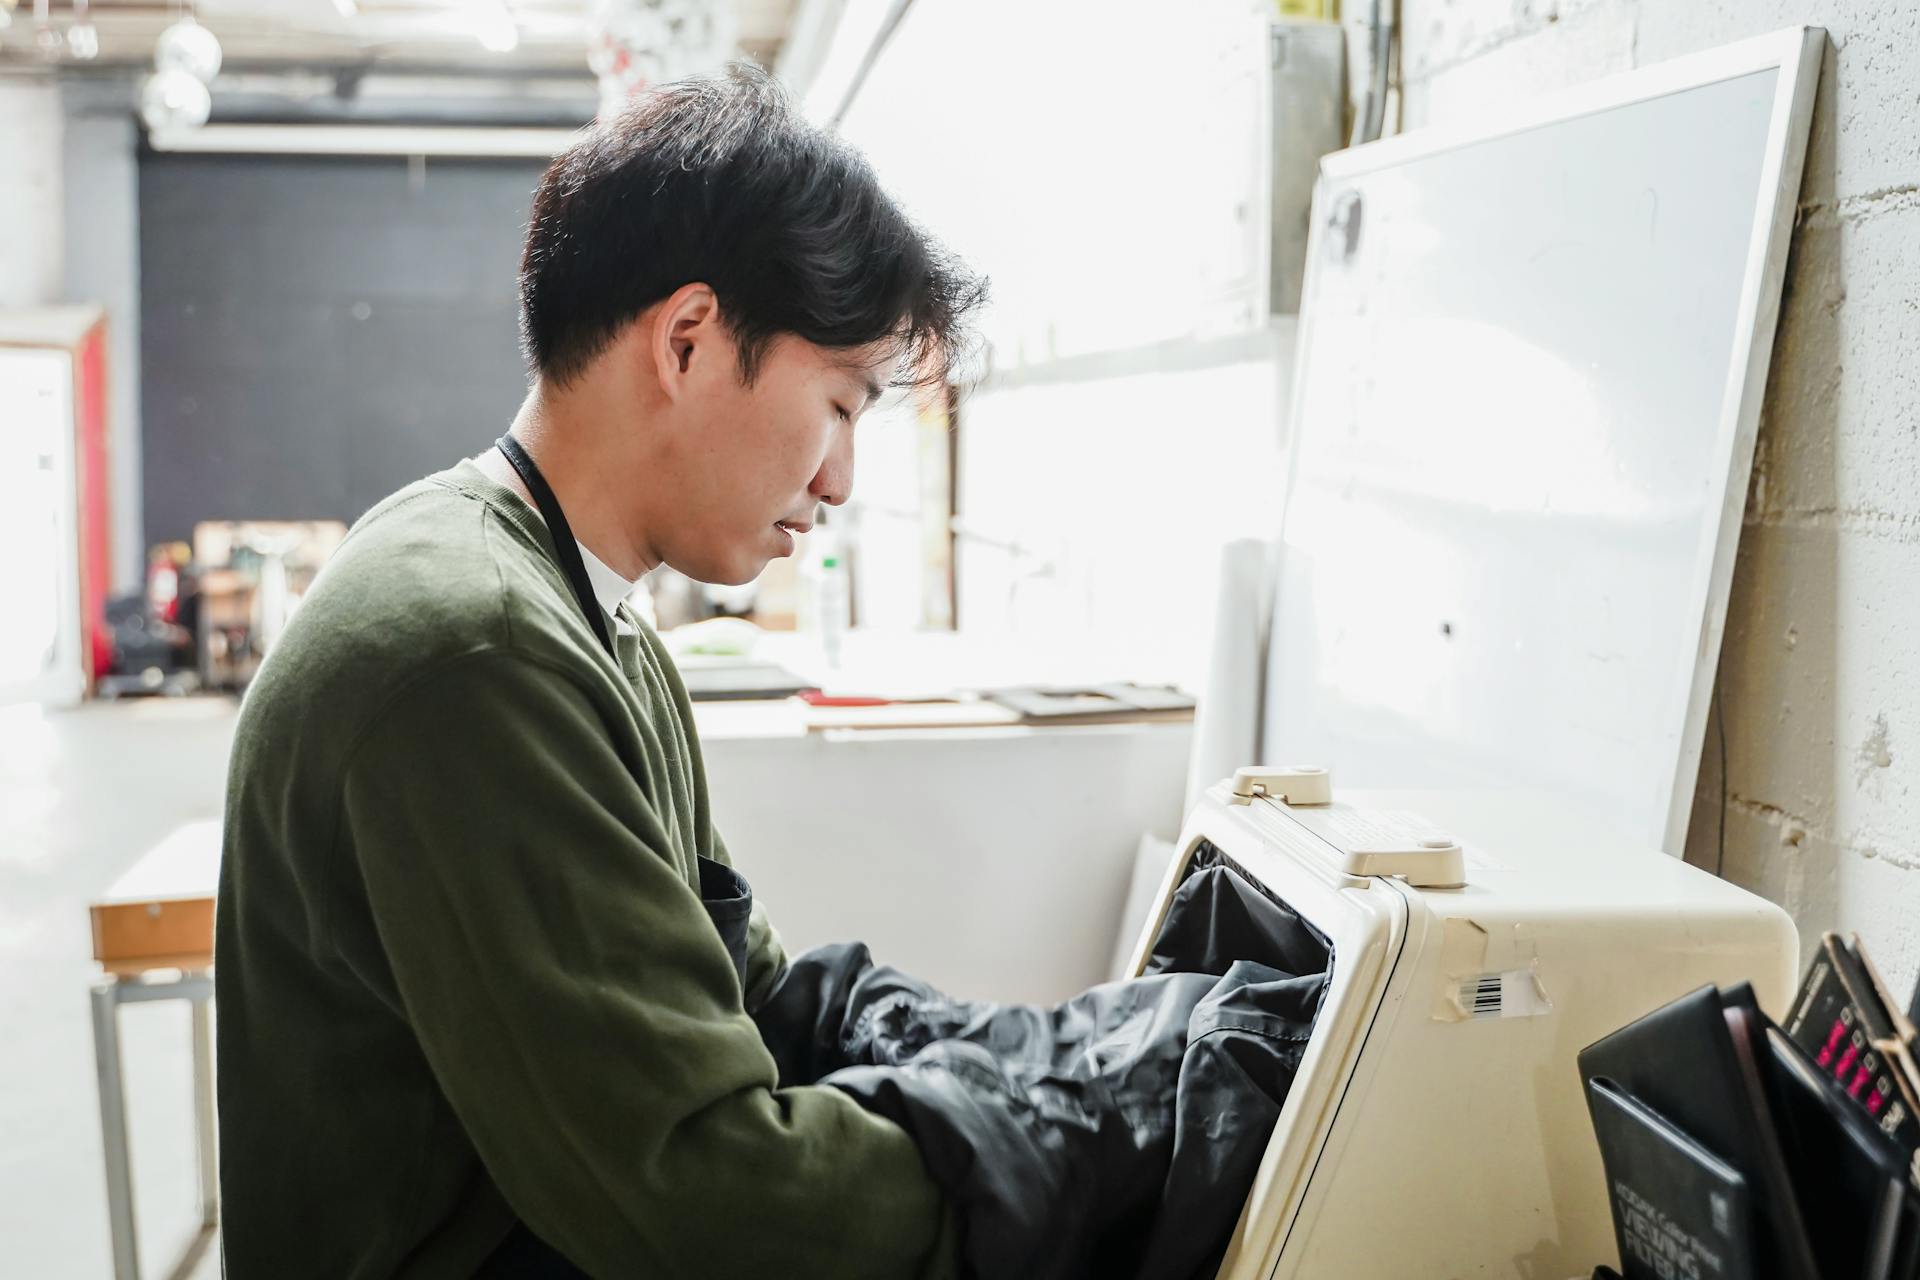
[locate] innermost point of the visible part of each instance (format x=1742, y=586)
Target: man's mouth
x=793, y=526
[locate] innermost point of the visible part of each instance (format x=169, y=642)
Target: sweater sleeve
x=583, y=1018
x=766, y=955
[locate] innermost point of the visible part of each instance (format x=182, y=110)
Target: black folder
x=1684, y=1062
x=1678, y=1209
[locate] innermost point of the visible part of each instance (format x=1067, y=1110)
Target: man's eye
x=844, y=415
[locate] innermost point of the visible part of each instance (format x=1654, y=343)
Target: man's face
x=750, y=464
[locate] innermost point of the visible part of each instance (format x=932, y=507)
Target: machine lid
x=1369, y=842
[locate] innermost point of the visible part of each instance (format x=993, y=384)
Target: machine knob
x=1294, y=784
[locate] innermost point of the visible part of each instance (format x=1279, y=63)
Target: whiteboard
x=1531, y=360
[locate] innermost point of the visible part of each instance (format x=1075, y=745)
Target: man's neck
x=582, y=481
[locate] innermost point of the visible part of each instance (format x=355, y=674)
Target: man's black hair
x=718, y=180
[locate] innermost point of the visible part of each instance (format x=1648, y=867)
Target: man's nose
x=833, y=483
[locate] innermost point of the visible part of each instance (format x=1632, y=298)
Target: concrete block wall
x=1820, y=667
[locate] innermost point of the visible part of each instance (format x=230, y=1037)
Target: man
x=484, y=973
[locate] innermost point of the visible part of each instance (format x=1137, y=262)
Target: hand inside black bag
x=1115, y=1134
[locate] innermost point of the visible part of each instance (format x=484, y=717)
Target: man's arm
x=581, y=1014
x=766, y=955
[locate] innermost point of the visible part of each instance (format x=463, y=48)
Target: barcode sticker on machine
x=1516, y=993
x=1480, y=996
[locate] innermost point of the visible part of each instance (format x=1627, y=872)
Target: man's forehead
x=870, y=367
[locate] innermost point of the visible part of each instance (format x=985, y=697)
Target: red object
x=90, y=457
x=1832, y=1046
x=815, y=698
x=163, y=590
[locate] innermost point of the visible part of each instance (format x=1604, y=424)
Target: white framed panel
x=1530, y=368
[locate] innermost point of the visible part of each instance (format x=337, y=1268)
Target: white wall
x=69, y=207
x=30, y=192
x=1820, y=670
x=101, y=180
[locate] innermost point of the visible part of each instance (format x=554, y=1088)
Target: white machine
x=1437, y=1126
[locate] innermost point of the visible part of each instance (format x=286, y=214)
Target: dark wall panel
x=317, y=332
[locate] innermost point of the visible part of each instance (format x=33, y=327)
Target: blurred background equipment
x=635, y=43
x=658, y=38
x=152, y=653
x=251, y=575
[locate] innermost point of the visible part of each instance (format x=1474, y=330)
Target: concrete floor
x=82, y=795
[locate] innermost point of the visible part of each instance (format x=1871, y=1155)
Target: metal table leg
x=108, y=995
x=203, y=1110
x=113, y=1130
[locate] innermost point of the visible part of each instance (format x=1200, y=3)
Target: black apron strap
x=563, y=541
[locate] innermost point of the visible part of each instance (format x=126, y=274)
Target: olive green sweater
x=463, y=970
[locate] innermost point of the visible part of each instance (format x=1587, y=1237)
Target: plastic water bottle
x=836, y=606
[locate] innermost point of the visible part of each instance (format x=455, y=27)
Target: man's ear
x=685, y=330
